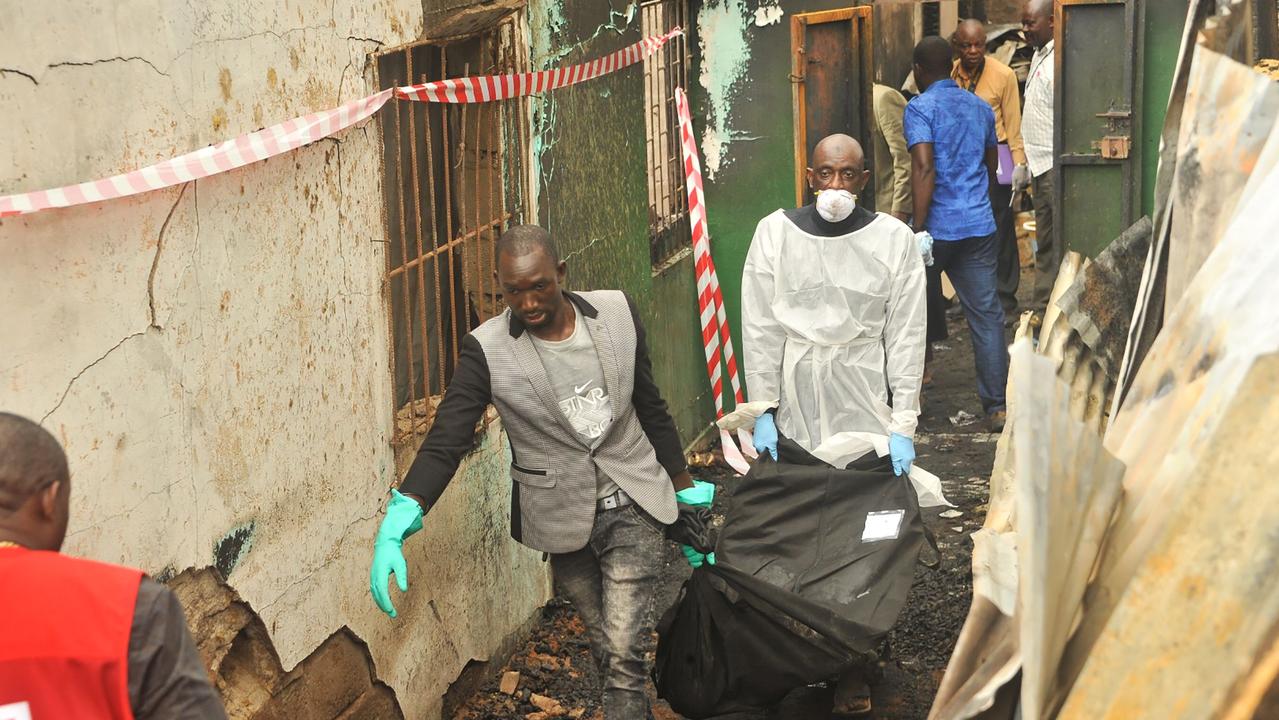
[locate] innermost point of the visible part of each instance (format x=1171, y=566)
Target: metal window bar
x=669, y=229
x=455, y=178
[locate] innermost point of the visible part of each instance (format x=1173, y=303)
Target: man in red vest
x=81, y=639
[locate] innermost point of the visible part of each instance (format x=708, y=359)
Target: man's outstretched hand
x=403, y=518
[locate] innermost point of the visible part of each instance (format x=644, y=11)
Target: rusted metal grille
x=455, y=178
x=668, y=225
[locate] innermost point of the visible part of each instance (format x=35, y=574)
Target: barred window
x=664, y=70
x=455, y=178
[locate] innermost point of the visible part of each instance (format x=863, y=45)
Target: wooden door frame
x=799, y=67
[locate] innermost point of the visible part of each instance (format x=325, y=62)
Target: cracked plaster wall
x=215, y=355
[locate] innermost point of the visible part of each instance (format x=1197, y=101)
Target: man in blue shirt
x=953, y=148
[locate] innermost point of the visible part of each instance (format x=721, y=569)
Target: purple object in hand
x=1004, y=174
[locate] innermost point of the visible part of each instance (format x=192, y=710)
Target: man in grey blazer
x=595, y=457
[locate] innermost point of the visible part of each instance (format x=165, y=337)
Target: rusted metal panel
x=1101, y=303
x=1229, y=115
x=1068, y=487
x=1198, y=517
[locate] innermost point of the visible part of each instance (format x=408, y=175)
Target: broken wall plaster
x=722, y=28
x=766, y=15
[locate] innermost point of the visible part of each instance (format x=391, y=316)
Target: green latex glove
x=701, y=495
x=696, y=559
x=403, y=518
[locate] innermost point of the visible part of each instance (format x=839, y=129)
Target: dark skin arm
x=923, y=177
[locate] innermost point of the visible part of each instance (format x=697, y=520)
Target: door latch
x=1116, y=144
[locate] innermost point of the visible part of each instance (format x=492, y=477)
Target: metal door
x=831, y=77
x=1097, y=176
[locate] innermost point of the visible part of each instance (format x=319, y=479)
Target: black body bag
x=813, y=566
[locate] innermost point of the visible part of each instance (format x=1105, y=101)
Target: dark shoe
x=852, y=699
x=996, y=421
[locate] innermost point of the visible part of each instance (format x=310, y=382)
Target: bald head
x=35, y=486
x=970, y=44
x=30, y=460
x=1037, y=22
x=838, y=163
x=839, y=145
x=971, y=29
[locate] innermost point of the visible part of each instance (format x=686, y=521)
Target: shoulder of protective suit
x=773, y=219
x=771, y=224
x=896, y=232
x=894, y=227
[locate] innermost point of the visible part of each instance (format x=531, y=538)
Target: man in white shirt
x=1037, y=131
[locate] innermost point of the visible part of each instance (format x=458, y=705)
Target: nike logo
x=578, y=390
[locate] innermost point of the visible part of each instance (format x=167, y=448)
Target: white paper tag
x=15, y=711
x=884, y=525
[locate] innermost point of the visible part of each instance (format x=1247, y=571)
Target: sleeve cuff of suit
x=902, y=426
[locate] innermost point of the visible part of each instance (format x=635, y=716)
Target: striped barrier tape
x=299, y=131
x=716, y=337
x=505, y=87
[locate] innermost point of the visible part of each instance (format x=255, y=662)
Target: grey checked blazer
x=553, y=471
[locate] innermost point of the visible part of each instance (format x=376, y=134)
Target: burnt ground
x=554, y=662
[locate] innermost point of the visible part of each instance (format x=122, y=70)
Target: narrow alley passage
x=953, y=442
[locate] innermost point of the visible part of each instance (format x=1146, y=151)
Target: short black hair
x=520, y=240
x=934, y=55
x=30, y=460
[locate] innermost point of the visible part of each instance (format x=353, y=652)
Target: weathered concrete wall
x=214, y=357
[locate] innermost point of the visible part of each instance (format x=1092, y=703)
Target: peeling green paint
x=548, y=25
x=590, y=165
x=722, y=27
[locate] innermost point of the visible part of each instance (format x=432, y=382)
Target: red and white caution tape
x=504, y=87
x=295, y=133
x=710, y=299
x=204, y=162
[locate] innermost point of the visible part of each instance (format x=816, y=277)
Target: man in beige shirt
x=892, y=158
x=996, y=83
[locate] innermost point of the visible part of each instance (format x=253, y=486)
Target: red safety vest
x=64, y=636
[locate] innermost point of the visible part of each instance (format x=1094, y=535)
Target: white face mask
x=835, y=205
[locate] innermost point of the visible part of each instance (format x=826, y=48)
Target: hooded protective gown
x=831, y=324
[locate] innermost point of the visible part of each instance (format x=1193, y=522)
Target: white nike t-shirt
x=574, y=368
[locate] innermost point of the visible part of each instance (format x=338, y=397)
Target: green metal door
x=1097, y=174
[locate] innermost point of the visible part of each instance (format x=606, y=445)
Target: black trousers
x=1008, y=267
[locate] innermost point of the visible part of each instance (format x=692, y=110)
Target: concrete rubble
x=337, y=680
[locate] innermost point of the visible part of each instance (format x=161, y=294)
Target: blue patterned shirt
x=961, y=126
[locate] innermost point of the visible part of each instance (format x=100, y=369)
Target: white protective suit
x=823, y=319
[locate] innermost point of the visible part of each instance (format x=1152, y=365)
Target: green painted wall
x=1164, y=25
x=589, y=146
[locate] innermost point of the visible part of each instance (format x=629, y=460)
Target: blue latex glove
x=701, y=495
x=403, y=518
x=765, y=434
x=902, y=450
